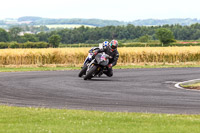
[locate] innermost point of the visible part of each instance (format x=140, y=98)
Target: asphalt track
x=129, y=90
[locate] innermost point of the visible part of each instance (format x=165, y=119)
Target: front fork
x=88, y=58
x=92, y=63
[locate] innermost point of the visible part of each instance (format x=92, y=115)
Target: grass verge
x=57, y=68
x=23, y=68
x=192, y=86
x=36, y=120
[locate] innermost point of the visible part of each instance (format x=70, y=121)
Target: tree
x=14, y=33
x=165, y=35
x=144, y=38
x=42, y=36
x=4, y=36
x=30, y=38
x=54, y=40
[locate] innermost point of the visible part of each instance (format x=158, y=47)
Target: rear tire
x=83, y=71
x=91, y=71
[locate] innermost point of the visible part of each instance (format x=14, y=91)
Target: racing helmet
x=105, y=43
x=113, y=45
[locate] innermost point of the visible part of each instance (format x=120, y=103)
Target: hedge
x=4, y=45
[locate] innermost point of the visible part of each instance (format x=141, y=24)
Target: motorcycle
x=94, y=67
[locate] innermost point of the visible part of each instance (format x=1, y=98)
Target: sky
x=122, y=10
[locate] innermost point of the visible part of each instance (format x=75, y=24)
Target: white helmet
x=105, y=43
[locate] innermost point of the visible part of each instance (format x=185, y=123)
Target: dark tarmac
x=129, y=90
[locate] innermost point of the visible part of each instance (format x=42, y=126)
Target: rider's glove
x=110, y=65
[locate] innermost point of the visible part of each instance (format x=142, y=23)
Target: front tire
x=90, y=72
x=83, y=71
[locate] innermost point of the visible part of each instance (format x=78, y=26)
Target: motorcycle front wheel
x=90, y=73
x=83, y=71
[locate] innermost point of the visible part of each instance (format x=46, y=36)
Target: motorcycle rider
x=104, y=44
x=111, y=50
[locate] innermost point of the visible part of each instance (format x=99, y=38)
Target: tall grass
x=42, y=56
x=76, y=56
x=159, y=54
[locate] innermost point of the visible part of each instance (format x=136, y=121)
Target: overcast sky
x=125, y=10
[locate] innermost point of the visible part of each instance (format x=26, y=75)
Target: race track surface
x=129, y=90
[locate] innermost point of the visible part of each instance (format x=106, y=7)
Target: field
x=76, y=56
x=19, y=119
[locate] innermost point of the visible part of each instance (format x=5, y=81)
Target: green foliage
x=42, y=45
x=34, y=45
x=14, y=33
x=144, y=38
x=124, y=34
x=54, y=40
x=30, y=37
x=4, y=45
x=165, y=35
x=42, y=36
x=14, y=45
x=4, y=36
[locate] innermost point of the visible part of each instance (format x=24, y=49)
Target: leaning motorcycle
x=96, y=66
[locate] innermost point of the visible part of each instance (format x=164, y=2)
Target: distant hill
x=92, y=22
x=186, y=21
x=30, y=20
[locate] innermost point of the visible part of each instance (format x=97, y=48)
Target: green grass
x=194, y=85
x=23, y=68
x=41, y=120
x=18, y=69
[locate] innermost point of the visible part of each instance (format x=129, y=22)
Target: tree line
x=99, y=34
